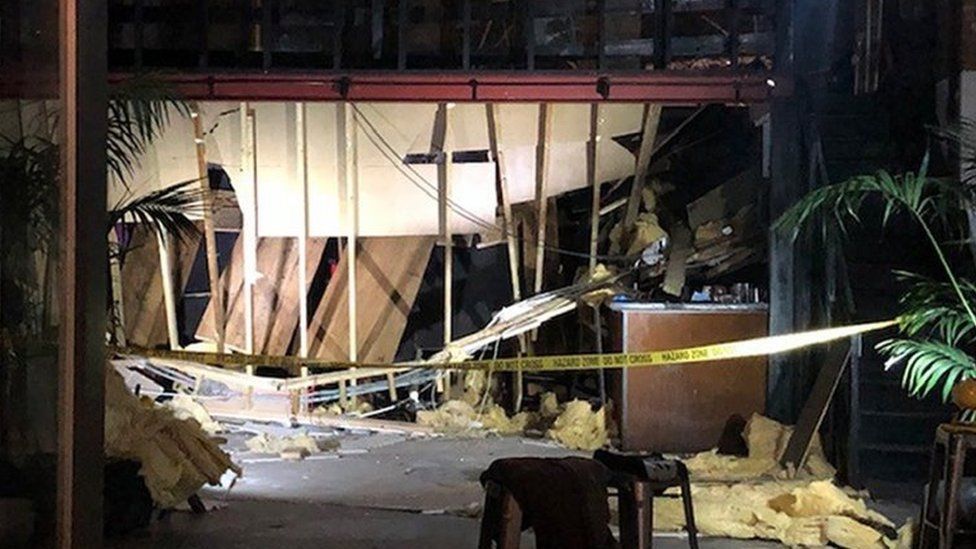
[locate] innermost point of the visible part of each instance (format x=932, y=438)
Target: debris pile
x=796, y=513
x=177, y=457
x=459, y=417
x=184, y=407
x=296, y=446
x=578, y=427
x=575, y=424
x=766, y=441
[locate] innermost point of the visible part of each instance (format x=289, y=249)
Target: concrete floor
x=378, y=490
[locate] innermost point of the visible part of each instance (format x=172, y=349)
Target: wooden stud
x=169, y=293
x=508, y=221
x=302, y=165
x=391, y=384
x=250, y=232
x=652, y=116
x=541, y=192
x=209, y=233
x=350, y=176
x=594, y=184
x=494, y=138
x=437, y=141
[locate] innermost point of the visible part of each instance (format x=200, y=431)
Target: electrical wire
x=430, y=189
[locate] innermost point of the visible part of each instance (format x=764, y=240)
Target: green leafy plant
x=30, y=170
x=938, y=322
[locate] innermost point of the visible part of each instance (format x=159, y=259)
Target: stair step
x=892, y=447
x=905, y=414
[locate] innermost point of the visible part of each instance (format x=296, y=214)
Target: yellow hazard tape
x=760, y=346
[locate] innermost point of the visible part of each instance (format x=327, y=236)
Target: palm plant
x=937, y=321
x=139, y=109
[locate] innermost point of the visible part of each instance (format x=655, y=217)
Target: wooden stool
x=638, y=478
x=952, y=445
x=501, y=519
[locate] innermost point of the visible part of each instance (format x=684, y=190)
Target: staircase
x=891, y=434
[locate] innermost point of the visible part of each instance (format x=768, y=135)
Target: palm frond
x=841, y=203
x=961, y=136
x=166, y=210
x=932, y=308
x=929, y=364
x=139, y=108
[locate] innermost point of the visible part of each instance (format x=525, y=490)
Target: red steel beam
x=667, y=87
x=657, y=87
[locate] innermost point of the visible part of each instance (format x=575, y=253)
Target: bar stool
x=953, y=443
x=638, y=478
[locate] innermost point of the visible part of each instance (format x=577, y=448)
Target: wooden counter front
x=683, y=408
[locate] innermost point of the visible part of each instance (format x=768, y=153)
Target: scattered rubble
x=177, y=457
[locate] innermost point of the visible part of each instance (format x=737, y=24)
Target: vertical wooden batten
x=250, y=233
x=209, y=232
x=302, y=166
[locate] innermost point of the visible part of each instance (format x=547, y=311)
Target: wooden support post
x=541, y=192
x=444, y=226
x=169, y=293
x=594, y=184
x=391, y=384
x=249, y=390
x=494, y=138
x=652, y=116
x=350, y=176
x=302, y=168
x=81, y=75
x=250, y=233
x=209, y=233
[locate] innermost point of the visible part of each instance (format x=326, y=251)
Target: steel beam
x=665, y=87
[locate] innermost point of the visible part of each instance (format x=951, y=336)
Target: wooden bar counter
x=683, y=408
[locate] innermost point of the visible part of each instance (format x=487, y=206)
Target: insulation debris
x=177, y=457
x=766, y=440
x=459, y=416
x=184, y=407
x=299, y=445
x=796, y=513
x=580, y=428
x=354, y=405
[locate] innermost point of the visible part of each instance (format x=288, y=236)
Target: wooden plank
x=213, y=271
x=812, y=414
x=392, y=269
x=275, y=294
